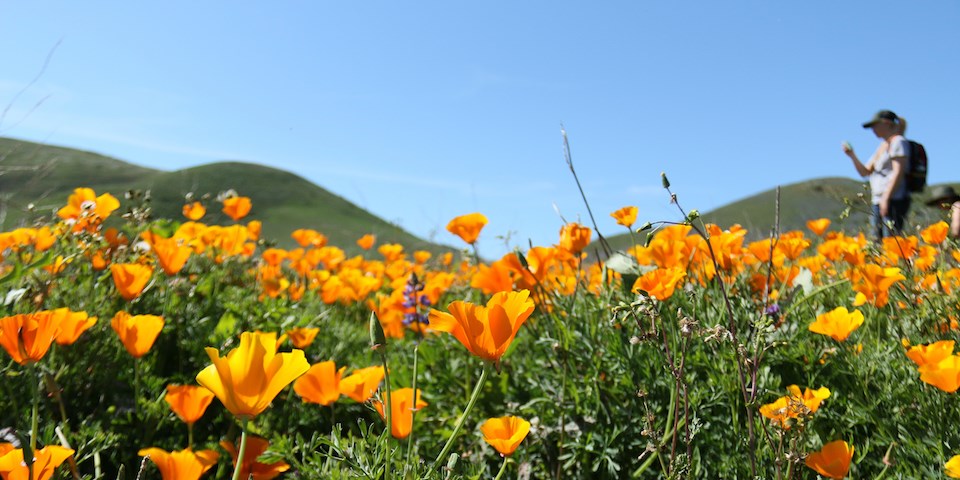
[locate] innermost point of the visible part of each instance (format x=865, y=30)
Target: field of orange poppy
x=699, y=352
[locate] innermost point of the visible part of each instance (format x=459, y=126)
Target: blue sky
x=422, y=111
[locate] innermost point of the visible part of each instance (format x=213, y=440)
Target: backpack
x=916, y=176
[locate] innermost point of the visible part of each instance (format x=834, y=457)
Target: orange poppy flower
x=935, y=234
x=468, y=226
x=194, y=211
x=137, y=332
x=401, y=411
x=362, y=384
x=625, y=216
x=944, y=374
x=505, y=433
x=574, y=237
x=366, y=242
x=237, y=207
x=837, y=323
x=308, y=237
x=182, y=464
x=485, y=331
x=171, y=253
x=818, y=226
x=794, y=404
x=932, y=353
x=251, y=375
x=130, y=278
x=85, y=210
x=420, y=257
x=497, y=277
x=189, y=402
x=44, y=239
x=250, y=467
x=659, y=283
x=27, y=337
x=391, y=252
x=302, y=337
x=833, y=460
x=873, y=282
x=72, y=325
x=45, y=462
x=321, y=383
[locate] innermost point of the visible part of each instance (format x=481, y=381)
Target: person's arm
x=862, y=169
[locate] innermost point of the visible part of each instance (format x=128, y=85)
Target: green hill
x=844, y=201
x=36, y=179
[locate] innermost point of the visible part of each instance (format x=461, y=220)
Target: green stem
x=463, y=417
x=34, y=419
x=136, y=387
x=406, y=465
x=190, y=435
x=242, y=451
x=503, y=468
x=387, y=412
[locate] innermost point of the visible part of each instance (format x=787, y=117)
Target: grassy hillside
x=799, y=202
x=44, y=176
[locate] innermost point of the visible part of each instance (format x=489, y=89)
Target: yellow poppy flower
x=952, y=467
x=485, y=331
x=182, y=464
x=837, y=324
x=251, y=375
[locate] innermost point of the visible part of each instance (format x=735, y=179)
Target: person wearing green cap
x=886, y=170
x=943, y=196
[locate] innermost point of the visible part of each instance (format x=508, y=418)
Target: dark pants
x=892, y=224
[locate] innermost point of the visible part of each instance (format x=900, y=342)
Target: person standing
x=886, y=170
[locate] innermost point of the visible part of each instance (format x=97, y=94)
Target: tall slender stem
x=503, y=468
x=387, y=412
x=413, y=414
x=463, y=416
x=243, y=449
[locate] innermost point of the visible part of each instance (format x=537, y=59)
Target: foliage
x=614, y=382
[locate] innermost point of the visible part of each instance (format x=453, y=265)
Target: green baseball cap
x=882, y=115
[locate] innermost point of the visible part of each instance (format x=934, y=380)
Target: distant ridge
x=44, y=176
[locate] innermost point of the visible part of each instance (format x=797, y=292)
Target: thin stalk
x=406, y=465
x=387, y=412
x=190, y=435
x=35, y=410
x=34, y=421
x=503, y=468
x=463, y=417
x=136, y=387
x=243, y=449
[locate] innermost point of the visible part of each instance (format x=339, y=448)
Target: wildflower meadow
x=142, y=347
